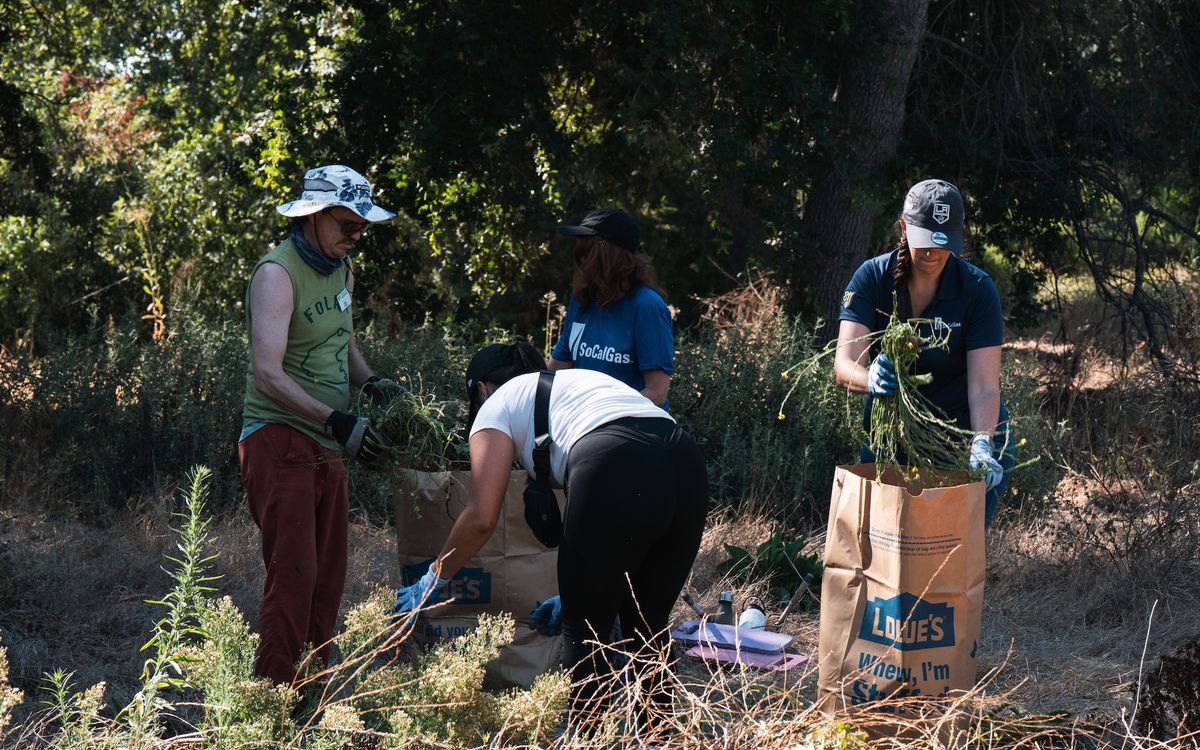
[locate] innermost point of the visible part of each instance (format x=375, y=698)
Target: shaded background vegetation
x=143, y=147
x=765, y=147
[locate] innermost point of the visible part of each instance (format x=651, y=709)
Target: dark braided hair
x=900, y=278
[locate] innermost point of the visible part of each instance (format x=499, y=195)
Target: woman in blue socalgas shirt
x=932, y=281
x=617, y=321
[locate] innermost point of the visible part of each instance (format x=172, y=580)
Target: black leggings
x=637, y=499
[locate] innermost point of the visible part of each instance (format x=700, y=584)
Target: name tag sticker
x=343, y=300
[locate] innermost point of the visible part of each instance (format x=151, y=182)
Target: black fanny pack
x=541, y=504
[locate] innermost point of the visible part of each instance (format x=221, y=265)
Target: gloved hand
x=546, y=617
x=381, y=391
x=421, y=593
x=881, y=376
x=982, y=460
x=356, y=435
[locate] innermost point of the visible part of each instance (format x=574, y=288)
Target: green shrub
x=779, y=564
x=727, y=391
x=112, y=417
x=1033, y=483
x=116, y=416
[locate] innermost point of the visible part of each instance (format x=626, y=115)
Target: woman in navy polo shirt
x=617, y=322
x=932, y=281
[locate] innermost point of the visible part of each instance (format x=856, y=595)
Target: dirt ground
x=1056, y=637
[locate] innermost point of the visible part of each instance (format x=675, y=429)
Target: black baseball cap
x=494, y=363
x=933, y=216
x=609, y=224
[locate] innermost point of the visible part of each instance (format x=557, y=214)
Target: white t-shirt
x=580, y=401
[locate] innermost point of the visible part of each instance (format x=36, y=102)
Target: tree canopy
x=143, y=146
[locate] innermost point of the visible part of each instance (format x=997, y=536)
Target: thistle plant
x=421, y=430
x=908, y=432
x=168, y=646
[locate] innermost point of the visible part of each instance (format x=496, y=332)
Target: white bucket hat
x=335, y=185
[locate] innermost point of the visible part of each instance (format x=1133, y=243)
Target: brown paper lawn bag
x=902, y=594
x=512, y=573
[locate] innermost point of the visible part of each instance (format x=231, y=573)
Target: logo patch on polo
x=941, y=212
x=847, y=298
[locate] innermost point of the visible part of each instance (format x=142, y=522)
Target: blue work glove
x=982, y=461
x=420, y=594
x=546, y=617
x=881, y=377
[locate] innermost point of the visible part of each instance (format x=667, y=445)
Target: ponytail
x=526, y=359
x=497, y=364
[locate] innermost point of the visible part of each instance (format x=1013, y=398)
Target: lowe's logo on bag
x=468, y=586
x=908, y=622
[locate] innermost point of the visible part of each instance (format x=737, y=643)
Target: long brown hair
x=604, y=273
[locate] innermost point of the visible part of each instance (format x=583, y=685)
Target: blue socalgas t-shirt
x=966, y=303
x=632, y=336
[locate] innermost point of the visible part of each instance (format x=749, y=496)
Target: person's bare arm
x=658, y=383
x=270, y=314
x=491, y=464
x=983, y=388
x=849, y=362
x=558, y=364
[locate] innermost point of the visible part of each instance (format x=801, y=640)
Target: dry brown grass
x=74, y=596
x=1059, y=633
x=1067, y=613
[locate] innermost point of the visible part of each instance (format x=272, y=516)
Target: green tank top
x=317, y=346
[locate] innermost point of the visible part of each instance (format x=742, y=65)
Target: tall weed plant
x=199, y=688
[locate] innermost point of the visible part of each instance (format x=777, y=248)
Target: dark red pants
x=297, y=495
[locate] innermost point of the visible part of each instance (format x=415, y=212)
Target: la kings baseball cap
x=933, y=216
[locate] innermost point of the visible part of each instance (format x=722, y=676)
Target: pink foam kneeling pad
x=776, y=662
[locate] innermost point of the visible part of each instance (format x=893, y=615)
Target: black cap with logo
x=933, y=216
x=609, y=224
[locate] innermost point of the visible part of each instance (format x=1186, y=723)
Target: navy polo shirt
x=966, y=302
x=633, y=335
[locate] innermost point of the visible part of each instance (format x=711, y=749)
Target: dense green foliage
x=144, y=145
x=111, y=417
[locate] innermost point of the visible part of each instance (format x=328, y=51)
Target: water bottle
x=753, y=618
x=724, y=615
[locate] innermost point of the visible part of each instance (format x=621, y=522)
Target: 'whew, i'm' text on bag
x=902, y=593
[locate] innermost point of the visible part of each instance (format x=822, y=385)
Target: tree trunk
x=844, y=203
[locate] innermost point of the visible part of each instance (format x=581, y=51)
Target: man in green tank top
x=295, y=419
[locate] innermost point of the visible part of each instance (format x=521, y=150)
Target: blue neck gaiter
x=315, y=259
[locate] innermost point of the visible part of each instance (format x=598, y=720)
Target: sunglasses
x=349, y=228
